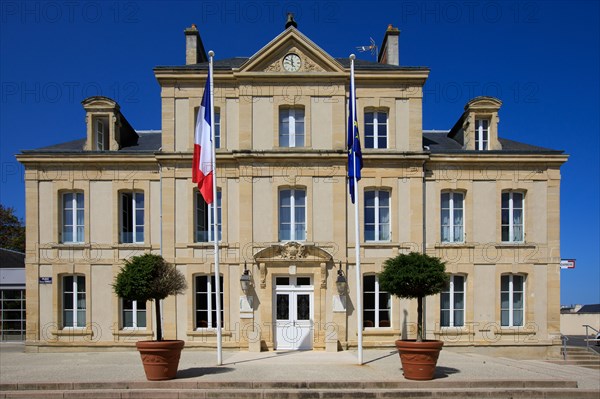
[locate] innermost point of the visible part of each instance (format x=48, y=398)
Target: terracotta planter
x=160, y=358
x=419, y=358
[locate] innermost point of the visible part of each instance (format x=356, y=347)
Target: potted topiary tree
x=149, y=277
x=410, y=276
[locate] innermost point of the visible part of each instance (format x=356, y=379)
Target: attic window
x=482, y=131
x=101, y=141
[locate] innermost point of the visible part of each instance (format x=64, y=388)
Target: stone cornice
x=508, y=159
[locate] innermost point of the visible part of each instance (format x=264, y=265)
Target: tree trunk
x=420, y=319
x=159, y=336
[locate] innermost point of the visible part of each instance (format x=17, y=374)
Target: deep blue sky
x=540, y=58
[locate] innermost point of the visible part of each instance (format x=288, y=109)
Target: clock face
x=291, y=62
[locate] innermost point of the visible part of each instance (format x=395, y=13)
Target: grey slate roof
x=236, y=62
x=439, y=142
x=148, y=142
x=594, y=308
x=11, y=259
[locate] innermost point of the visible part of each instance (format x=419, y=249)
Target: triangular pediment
x=313, y=59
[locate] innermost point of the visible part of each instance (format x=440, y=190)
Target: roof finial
x=290, y=21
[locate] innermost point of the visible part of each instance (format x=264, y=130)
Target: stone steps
x=178, y=389
x=577, y=356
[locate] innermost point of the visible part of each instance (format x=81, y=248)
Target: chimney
x=194, y=49
x=390, y=48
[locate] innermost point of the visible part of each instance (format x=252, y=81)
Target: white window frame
x=377, y=223
x=208, y=209
x=74, y=289
x=377, y=115
x=74, y=205
x=511, y=306
x=378, y=307
x=211, y=307
x=511, y=222
x=134, y=310
x=291, y=126
x=294, y=209
x=136, y=238
x=451, y=291
x=451, y=222
x=100, y=144
x=482, y=134
x=217, y=128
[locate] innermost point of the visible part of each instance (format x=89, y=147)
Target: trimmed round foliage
x=148, y=277
x=414, y=275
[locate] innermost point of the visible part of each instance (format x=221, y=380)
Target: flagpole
x=215, y=206
x=359, y=315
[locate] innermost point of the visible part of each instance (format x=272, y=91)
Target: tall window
x=206, y=301
x=205, y=219
x=73, y=301
x=452, y=217
x=292, y=215
x=377, y=215
x=377, y=303
x=101, y=139
x=376, y=129
x=291, y=127
x=132, y=217
x=72, y=217
x=452, y=303
x=134, y=314
x=481, y=134
x=512, y=217
x=217, y=128
x=512, y=300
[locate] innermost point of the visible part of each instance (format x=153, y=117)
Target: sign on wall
x=567, y=264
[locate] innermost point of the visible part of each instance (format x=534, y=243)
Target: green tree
x=149, y=277
x=12, y=230
x=414, y=275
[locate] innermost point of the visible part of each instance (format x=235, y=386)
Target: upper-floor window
x=72, y=217
x=291, y=127
x=206, y=301
x=132, y=217
x=377, y=215
x=376, y=129
x=217, y=128
x=292, y=215
x=205, y=219
x=512, y=216
x=134, y=314
x=481, y=134
x=512, y=300
x=452, y=216
x=452, y=302
x=377, y=303
x=73, y=301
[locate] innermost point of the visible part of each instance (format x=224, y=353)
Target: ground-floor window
x=134, y=314
x=73, y=301
x=377, y=303
x=512, y=300
x=206, y=301
x=452, y=303
x=12, y=315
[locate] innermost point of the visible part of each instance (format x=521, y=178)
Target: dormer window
x=482, y=129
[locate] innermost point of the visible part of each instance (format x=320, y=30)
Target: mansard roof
x=149, y=141
x=441, y=142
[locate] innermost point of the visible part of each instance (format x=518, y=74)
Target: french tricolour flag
x=202, y=167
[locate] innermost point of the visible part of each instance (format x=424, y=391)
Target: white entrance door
x=293, y=308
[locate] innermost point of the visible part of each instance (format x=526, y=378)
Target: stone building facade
x=487, y=206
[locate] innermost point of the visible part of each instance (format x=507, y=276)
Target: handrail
x=587, y=341
x=564, y=339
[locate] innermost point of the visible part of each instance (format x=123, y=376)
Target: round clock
x=291, y=62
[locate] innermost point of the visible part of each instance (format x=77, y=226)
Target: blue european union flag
x=355, y=161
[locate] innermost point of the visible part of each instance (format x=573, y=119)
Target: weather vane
x=372, y=48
